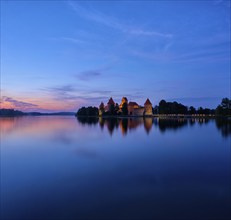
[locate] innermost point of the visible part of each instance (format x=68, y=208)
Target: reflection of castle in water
x=125, y=124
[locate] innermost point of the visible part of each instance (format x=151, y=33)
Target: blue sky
x=60, y=55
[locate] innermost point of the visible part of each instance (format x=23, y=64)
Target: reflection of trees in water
x=164, y=124
x=88, y=120
x=173, y=124
x=111, y=124
x=224, y=126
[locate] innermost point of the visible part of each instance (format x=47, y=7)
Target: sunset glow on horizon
x=61, y=55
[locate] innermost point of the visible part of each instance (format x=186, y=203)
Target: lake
x=61, y=167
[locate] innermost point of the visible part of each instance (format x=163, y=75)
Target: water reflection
x=163, y=124
x=172, y=124
x=224, y=126
x=88, y=120
x=61, y=128
x=63, y=165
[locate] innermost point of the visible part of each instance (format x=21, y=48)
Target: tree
x=125, y=108
x=116, y=110
x=112, y=109
x=224, y=108
x=192, y=110
x=89, y=111
x=226, y=103
x=162, y=107
x=200, y=110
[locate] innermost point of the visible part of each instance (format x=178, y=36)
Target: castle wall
x=138, y=111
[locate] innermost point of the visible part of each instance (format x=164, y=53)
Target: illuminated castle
x=131, y=108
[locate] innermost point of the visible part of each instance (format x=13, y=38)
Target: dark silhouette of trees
x=89, y=111
x=192, y=110
x=178, y=108
x=111, y=109
x=155, y=110
x=224, y=109
x=200, y=111
x=10, y=113
x=172, y=108
x=163, y=108
x=116, y=108
x=125, y=108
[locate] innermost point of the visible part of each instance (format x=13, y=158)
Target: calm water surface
x=60, y=167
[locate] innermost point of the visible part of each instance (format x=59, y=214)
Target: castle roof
x=132, y=104
x=147, y=102
x=111, y=102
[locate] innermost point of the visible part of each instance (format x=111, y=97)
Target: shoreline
x=159, y=116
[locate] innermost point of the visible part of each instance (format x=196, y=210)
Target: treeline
x=10, y=113
x=13, y=113
x=178, y=108
x=88, y=111
x=224, y=109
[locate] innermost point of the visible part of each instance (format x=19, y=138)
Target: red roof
x=111, y=102
x=147, y=102
x=132, y=104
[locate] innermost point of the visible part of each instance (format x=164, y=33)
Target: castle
x=126, y=108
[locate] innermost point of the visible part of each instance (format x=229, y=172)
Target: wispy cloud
x=63, y=88
x=112, y=22
x=75, y=94
x=88, y=75
x=63, y=92
x=149, y=33
x=95, y=16
x=202, y=55
x=13, y=103
x=73, y=40
x=79, y=96
x=95, y=73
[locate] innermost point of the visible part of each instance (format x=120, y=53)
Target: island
x=164, y=109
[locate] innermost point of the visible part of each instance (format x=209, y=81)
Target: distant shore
x=16, y=113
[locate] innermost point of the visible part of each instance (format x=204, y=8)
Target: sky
x=61, y=55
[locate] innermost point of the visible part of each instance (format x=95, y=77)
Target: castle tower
x=147, y=108
x=101, y=109
x=124, y=100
